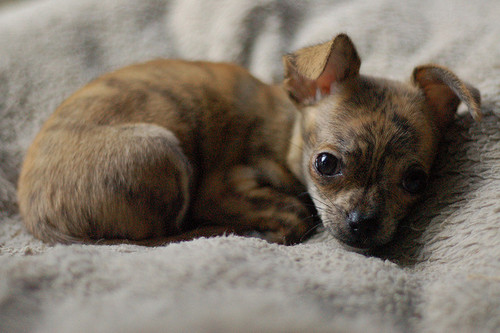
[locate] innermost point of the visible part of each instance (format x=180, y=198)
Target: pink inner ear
x=336, y=70
x=311, y=71
x=324, y=82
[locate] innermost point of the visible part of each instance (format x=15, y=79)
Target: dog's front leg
x=261, y=199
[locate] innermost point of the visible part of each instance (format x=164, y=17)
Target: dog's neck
x=295, y=149
x=292, y=131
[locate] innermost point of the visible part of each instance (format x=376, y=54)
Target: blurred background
x=4, y=3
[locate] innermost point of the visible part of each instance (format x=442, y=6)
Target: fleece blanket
x=440, y=274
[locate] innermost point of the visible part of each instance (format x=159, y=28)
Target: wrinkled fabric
x=442, y=272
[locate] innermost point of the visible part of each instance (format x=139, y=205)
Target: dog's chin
x=358, y=246
x=364, y=245
x=360, y=250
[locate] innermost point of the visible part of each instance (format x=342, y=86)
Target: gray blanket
x=441, y=274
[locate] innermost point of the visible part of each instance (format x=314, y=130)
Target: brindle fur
x=170, y=150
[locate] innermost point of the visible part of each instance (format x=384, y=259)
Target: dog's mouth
x=360, y=243
x=355, y=241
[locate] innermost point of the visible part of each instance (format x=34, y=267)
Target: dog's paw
x=282, y=230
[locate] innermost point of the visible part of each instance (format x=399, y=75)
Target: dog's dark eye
x=414, y=180
x=327, y=165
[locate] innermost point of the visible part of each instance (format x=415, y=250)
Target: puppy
x=171, y=150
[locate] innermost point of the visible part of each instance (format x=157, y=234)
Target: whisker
x=294, y=144
x=310, y=231
x=320, y=201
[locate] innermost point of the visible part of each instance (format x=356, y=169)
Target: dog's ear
x=311, y=72
x=443, y=92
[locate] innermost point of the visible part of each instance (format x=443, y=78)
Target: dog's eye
x=414, y=180
x=327, y=165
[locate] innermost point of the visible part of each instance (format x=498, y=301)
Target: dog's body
x=174, y=138
x=152, y=151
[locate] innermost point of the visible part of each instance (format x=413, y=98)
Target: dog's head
x=366, y=145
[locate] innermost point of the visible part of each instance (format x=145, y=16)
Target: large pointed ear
x=310, y=72
x=444, y=91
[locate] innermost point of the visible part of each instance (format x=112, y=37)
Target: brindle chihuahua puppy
x=151, y=152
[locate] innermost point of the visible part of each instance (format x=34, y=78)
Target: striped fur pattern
x=171, y=150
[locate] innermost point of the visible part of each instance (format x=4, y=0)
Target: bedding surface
x=442, y=272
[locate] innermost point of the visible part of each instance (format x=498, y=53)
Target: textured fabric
x=441, y=274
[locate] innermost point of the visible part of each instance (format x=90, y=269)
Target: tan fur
x=170, y=150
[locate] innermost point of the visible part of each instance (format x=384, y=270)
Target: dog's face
x=368, y=150
x=367, y=144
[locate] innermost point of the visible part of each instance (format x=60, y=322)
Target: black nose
x=362, y=226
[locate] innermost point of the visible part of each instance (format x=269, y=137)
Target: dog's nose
x=362, y=225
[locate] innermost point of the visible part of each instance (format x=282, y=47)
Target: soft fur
x=169, y=147
x=442, y=270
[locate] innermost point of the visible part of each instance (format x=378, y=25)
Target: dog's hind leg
x=129, y=182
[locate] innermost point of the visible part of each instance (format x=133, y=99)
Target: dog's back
x=120, y=158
